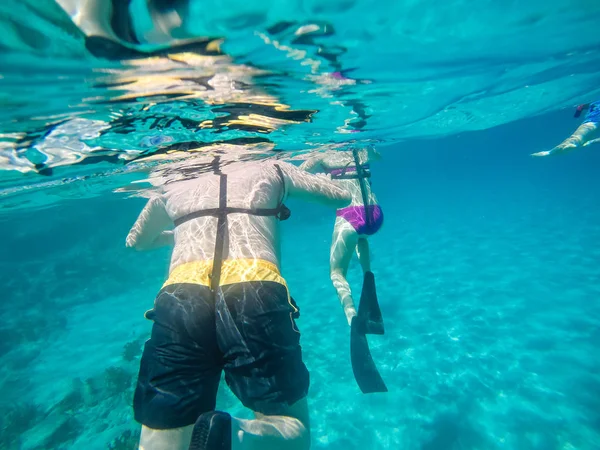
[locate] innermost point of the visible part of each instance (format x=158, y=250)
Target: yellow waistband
x=232, y=271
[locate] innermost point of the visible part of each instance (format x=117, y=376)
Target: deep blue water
x=487, y=267
x=488, y=276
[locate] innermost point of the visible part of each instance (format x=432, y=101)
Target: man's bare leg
x=286, y=432
x=579, y=138
x=364, y=257
x=174, y=439
x=342, y=247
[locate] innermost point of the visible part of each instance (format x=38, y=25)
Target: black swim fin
x=365, y=372
x=212, y=431
x=370, y=320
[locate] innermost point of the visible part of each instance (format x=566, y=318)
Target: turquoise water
x=487, y=267
x=488, y=278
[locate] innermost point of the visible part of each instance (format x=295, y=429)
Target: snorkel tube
x=580, y=109
x=362, y=174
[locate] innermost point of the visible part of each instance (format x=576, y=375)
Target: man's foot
x=212, y=431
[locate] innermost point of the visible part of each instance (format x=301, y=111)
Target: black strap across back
x=362, y=173
x=281, y=212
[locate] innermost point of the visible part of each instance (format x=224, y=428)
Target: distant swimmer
x=353, y=225
x=224, y=307
x=586, y=134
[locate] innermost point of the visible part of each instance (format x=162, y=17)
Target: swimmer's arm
x=318, y=188
x=312, y=165
x=149, y=230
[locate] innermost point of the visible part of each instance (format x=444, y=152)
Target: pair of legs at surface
x=344, y=243
x=285, y=432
